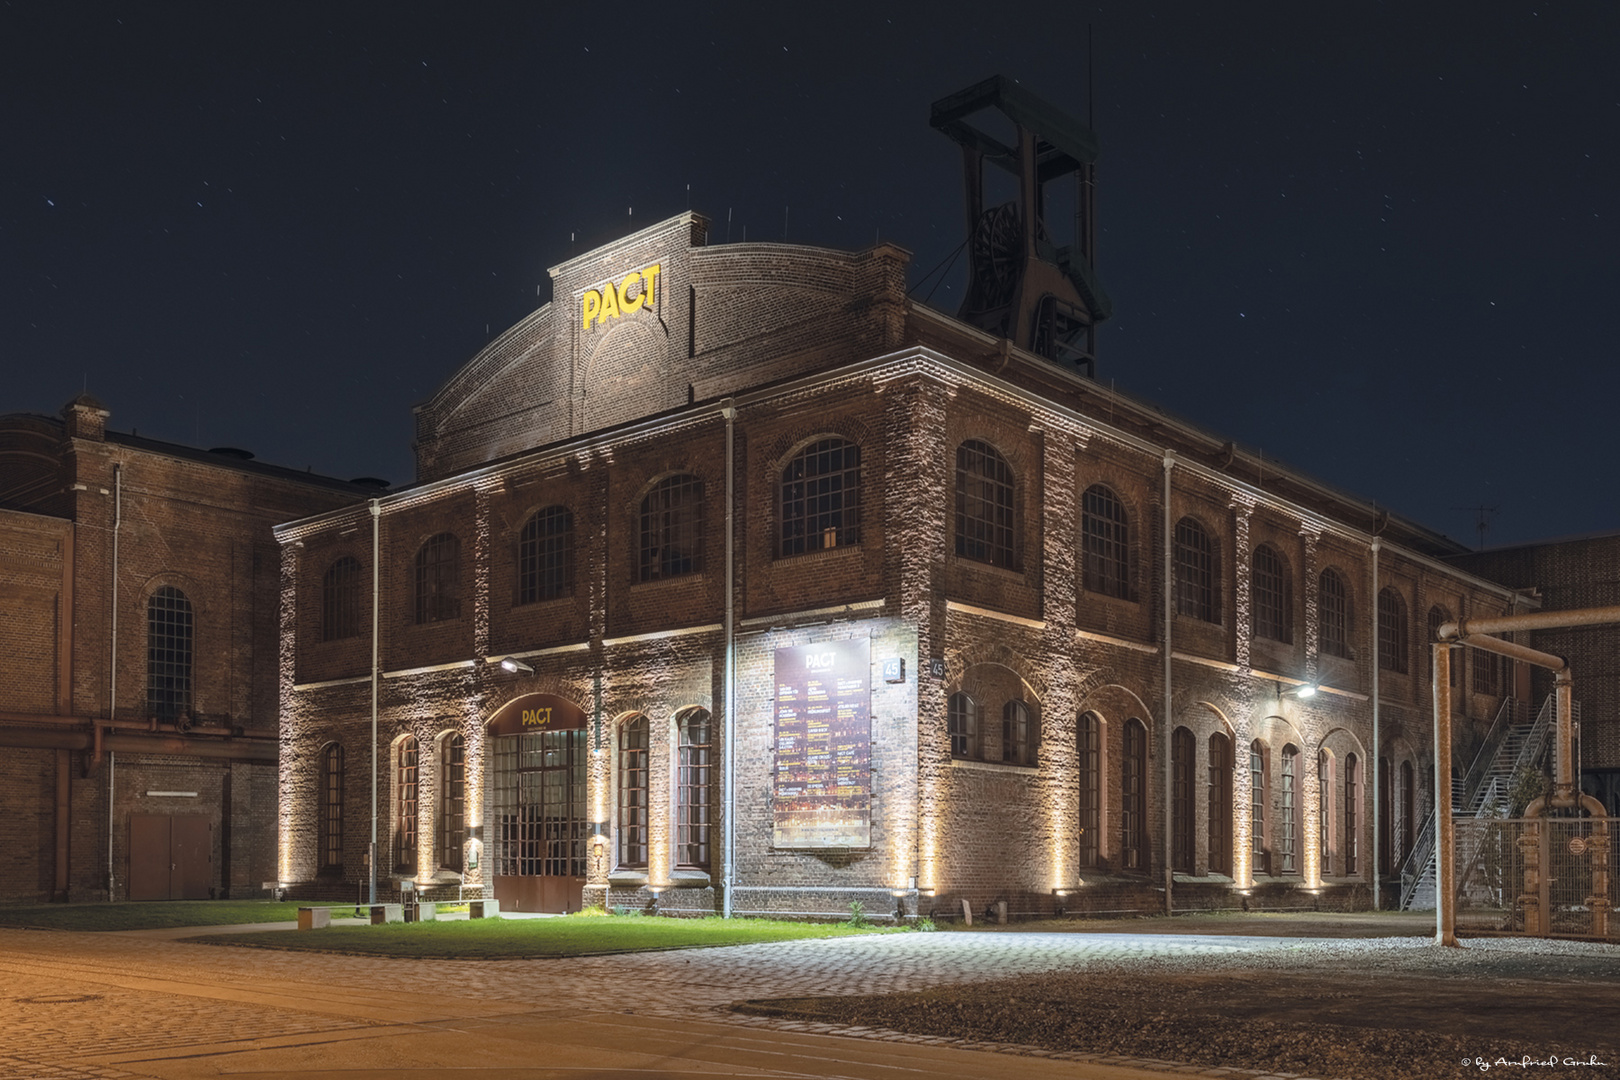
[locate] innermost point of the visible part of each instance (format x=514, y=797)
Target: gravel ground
x=1387, y=1009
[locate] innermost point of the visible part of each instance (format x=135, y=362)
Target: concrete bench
x=387, y=913
x=483, y=909
x=313, y=918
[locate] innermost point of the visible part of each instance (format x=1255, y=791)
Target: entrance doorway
x=539, y=817
x=170, y=856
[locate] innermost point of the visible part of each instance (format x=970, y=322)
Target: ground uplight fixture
x=513, y=664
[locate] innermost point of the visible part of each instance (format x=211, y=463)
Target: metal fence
x=1541, y=877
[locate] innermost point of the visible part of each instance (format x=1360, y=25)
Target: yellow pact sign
x=536, y=717
x=636, y=290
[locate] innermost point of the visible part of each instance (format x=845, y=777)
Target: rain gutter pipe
x=376, y=674
x=1377, y=748
x=112, y=678
x=728, y=873
x=1164, y=723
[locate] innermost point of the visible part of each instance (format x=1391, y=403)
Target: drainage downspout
x=729, y=411
x=1169, y=779
x=1377, y=748
x=112, y=678
x=376, y=589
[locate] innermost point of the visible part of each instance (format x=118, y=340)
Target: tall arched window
x=985, y=527
x=633, y=805
x=452, y=801
x=1220, y=804
x=1272, y=596
x=821, y=498
x=1197, y=592
x=1438, y=617
x=546, y=556
x=692, y=815
x=1257, y=807
x=1333, y=610
x=1183, y=749
x=331, y=808
x=672, y=528
x=1352, y=817
x=407, y=779
x=1408, y=812
x=438, y=579
x=1391, y=631
x=168, y=654
x=1104, y=543
x=1326, y=811
x=1288, y=831
x=1133, y=797
x=340, y=600
x=1018, y=735
x=1089, y=773
x=962, y=720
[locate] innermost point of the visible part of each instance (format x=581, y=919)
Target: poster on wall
x=821, y=791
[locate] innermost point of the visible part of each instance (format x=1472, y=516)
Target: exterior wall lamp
x=513, y=664
x=1304, y=691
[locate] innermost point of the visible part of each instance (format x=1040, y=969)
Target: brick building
x=733, y=579
x=138, y=660
x=1577, y=572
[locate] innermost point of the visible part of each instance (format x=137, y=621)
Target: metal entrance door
x=170, y=856
x=540, y=820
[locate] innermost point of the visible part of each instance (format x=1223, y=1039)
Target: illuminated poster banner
x=821, y=793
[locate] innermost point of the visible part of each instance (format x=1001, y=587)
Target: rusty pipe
x=1537, y=620
x=1502, y=647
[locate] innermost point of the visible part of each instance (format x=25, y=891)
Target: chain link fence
x=1541, y=877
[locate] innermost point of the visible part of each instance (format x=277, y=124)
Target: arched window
x=452, y=801
x=331, y=808
x=1220, y=804
x=692, y=791
x=438, y=579
x=1288, y=830
x=1183, y=749
x=962, y=718
x=1133, y=797
x=1197, y=594
x=1408, y=812
x=1333, y=609
x=1273, y=596
x=1352, y=822
x=340, y=600
x=1487, y=671
x=984, y=505
x=1326, y=811
x=633, y=804
x=1104, y=543
x=406, y=800
x=1257, y=806
x=1089, y=744
x=168, y=654
x=1018, y=735
x=821, y=498
x=1385, y=819
x=1391, y=631
x=1438, y=617
x=546, y=556
x=672, y=528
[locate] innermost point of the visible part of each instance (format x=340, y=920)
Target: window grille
x=672, y=529
x=1271, y=595
x=539, y=805
x=1326, y=809
x=331, y=817
x=1105, y=543
x=984, y=505
x=633, y=743
x=1220, y=804
x=1287, y=827
x=962, y=718
x=1333, y=610
x=168, y=654
x=546, y=556
x=1408, y=813
x=340, y=600
x=1257, y=805
x=1487, y=671
x=1391, y=631
x=1090, y=794
x=821, y=498
x=1018, y=739
x=1196, y=594
x=692, y=809
x=438, y=579
x=1133, y=797
x=1352, y=801
x=1182, y=750
x=406, y=802
x=452, y=801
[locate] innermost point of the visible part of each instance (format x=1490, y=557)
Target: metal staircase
x=1509, y=746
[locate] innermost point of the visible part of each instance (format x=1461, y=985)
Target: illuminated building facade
x=734, y=580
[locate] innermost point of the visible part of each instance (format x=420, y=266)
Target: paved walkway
x=147, y=1005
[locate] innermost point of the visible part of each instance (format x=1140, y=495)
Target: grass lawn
x=146, y=916
x=531, y=939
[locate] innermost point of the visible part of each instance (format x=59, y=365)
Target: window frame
x=1393, y=641
x=1271, y=595
x=171, y=627
x=1134, y=852
x=986, y=506
x=634, y=774
x=1259, y=818
x=694, y=796
x=330, y=816
x=452, y=824
x=1183, y=764
x=407, y=802
x=1019, y=733
x=670, y=529
x=1196, y=566
x=819, y=498
x=1333, y=614
x=1219, y=823
x=963, y=727
x=1105, y=543
x=438, y=579
x=545, y=563
x=1089, y=775
x=341, y=599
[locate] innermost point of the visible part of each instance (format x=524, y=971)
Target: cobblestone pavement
x=65, y=997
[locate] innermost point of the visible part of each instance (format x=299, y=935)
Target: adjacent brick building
x=735, y=579
x=138, y=645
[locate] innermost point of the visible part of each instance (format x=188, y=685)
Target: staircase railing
x=1417, y=860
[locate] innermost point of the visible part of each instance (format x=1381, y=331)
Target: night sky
x=1378, y=245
